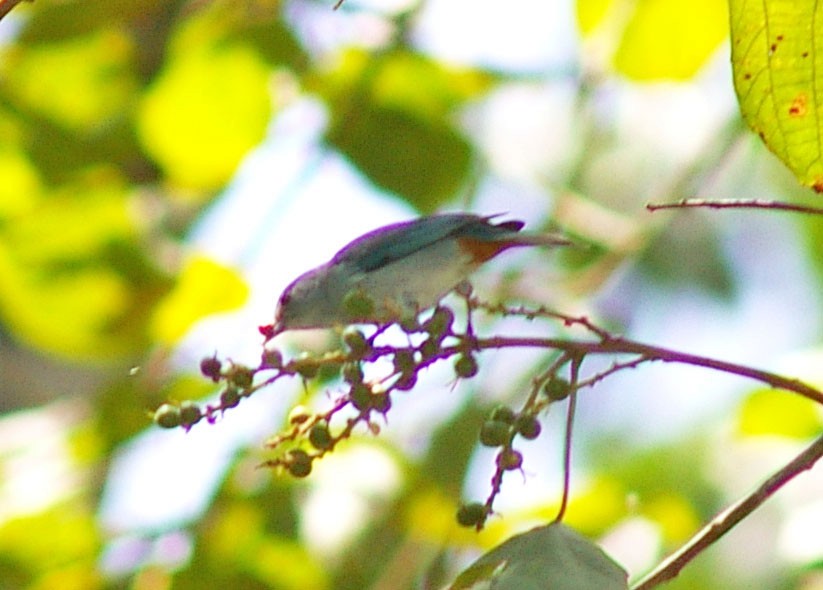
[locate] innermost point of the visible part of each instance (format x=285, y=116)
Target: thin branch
x=541, y=312
x=736, y=204
x=727, y=519
x=7, y=5
x=567, y=441
x=655, y=353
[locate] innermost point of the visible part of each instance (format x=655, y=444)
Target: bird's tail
x=514, y=237
x=536, y=239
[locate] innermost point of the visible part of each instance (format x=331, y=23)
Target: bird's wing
x=393, y=242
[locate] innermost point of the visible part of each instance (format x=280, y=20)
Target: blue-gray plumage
x=401, y=269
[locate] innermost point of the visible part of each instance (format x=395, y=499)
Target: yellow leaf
x=596, y=508
x=80, y=576
x=77, y=222
x=203, y=288
x=69, y=313
x=237, y=535
x=776, y=412
x=430, y=517
x=590, y=13
x=670, y=39
x=60, y=290
x=52, y=538
x=286, y=564
x=675, y=515
x=79, y=83
x=20, y=186
x=204, y=112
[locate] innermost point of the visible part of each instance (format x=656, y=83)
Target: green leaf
x=777, y=76
x=552, y=556
x=390, y=115
x=423, y=160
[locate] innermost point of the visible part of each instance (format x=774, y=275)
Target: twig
x=655, y=353
x=727, y=519
x=541, y=312
x=574, y=374
x=736, y=204
x=614, y=368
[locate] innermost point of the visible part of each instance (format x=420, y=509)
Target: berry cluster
x=309, y=436
x=500, y=429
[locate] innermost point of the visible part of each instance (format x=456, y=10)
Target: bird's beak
x=269, y=331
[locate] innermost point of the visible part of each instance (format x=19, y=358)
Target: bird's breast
x=419, y=280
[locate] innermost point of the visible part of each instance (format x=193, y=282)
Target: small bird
x=397, y=271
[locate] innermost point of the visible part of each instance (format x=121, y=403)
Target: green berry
x=528, y=427
x=327, y=371
x=320, y=436
x=430, y=348
x=358, y=305
x=406, y=382
x=271, y=359
x=471, y=514
x=167, y=416
x=211, y=367
x=298, y=462
x=404, y=361
x=503, y=413
x=356, y=342
x=306, y=366
x=381, y=402
x=464, y=289
x=410, y=324
x=230, y=397
x=440, y=323
x=241, y=376
x=360, y=396
x=557, y=389
x=465, y=366
x=190, y=413
x=509, y=459
x=352, y=373
x=494, y=433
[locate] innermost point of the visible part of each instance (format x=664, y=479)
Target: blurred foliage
x=203, y=287
x=770, y=412
x=402, y=102
x=643, y=52
x=225, y=85
x=121, y=121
